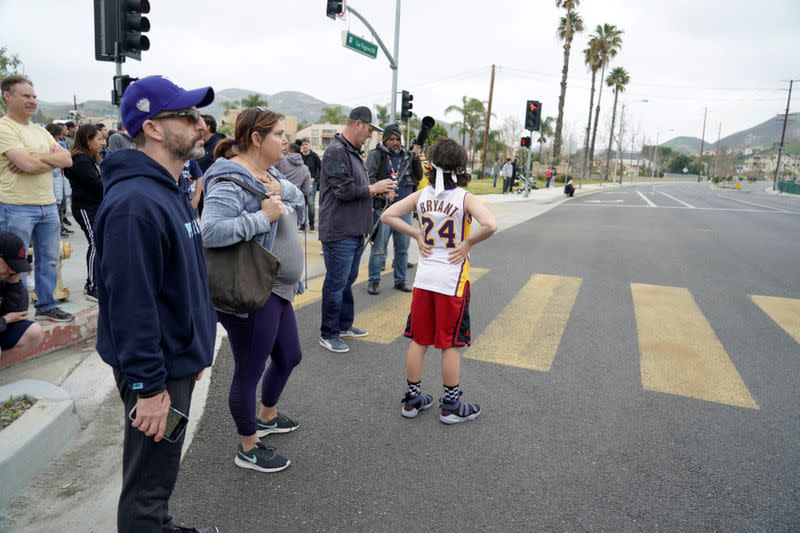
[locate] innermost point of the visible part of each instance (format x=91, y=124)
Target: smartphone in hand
x=176, y=423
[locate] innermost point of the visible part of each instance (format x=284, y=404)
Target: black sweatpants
x=149, y=468
x=85, y=218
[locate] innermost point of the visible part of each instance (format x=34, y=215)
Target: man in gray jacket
x=345, y=219
x=120, y=140
x=296, y=172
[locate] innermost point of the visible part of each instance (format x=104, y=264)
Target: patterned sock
x=414, y=388
x=451, y=393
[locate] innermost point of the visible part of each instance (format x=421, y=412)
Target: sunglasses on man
x=192, y=116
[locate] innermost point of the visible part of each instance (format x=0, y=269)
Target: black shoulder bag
x=240, y=276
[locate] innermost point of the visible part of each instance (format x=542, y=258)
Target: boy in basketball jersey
x=440, y=299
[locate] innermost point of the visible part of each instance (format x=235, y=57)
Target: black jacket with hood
x=156, y=321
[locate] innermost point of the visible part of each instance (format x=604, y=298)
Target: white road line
x=672, y=197
x=753, y=203
x=602, y=201
x=570, y=204
x=646, y=199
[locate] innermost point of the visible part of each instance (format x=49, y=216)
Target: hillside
x=763, y=136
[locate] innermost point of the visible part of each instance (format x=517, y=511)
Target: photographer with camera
x=388, y=160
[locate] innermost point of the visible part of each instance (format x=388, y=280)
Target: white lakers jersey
x=444, y=224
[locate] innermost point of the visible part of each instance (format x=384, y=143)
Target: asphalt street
x=616, y=428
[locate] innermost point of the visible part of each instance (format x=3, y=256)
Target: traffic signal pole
x=783, y=136
x=392, y=58
x=528, y=169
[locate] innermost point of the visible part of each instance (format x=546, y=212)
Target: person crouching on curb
x=231, y=215
x=17, y=333
x=440, y=300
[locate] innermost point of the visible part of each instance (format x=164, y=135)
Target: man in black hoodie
x=156, y=325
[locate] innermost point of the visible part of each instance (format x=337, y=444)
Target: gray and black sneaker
x=413, y=404
x=54, y=315
x=183, y=529
x=455, y=411
x=353, y=332
x=261, y=457
x=279, y=424
x=334, y=344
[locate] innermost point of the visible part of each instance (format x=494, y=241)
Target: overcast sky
x=733, y=56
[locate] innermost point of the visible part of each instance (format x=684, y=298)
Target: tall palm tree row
x=473, y=112
x=617, y=80
x=571, y=23
x=463, y=124
x=591, y=57
x=609, y=41
x=545, y=131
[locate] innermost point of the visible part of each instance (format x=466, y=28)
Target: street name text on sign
x=362, y=46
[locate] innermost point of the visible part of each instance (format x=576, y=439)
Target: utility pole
x=783, y=136
x=716, y=161
x=702, y=145
x=488, y=122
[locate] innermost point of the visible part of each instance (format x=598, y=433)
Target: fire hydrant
x=61, y=293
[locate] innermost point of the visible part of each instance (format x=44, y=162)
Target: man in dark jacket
x=156, y=325
x=388, y=160
x=210, y=140
x=345, y=219
x=311, y=160
x=17, y=333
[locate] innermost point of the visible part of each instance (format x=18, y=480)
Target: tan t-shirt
x=24, y=189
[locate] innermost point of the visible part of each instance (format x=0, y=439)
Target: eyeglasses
x=257, y=114
x=192, y=116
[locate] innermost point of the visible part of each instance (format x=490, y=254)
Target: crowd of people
x=154, y=197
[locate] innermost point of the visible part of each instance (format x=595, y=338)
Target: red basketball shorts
x=438, y=319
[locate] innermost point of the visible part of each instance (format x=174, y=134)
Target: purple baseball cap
x=147, y=97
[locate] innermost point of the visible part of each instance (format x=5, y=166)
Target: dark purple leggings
x=272, y=330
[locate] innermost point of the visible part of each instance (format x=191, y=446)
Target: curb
x=36, y=437
x=59, y=335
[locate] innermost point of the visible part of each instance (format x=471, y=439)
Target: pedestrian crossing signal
x=533, y=115
x=525, y=142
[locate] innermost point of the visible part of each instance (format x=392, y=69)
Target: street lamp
x=655, y=152
x=621, y=130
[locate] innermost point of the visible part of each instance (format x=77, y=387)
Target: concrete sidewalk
x=81, y=485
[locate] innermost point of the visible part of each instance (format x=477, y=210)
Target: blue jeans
x=341, y=265
x=40, y=226
x=377, y=255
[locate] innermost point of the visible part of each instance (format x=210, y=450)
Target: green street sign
x=362, y=46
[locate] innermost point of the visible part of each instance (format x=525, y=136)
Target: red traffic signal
x=525, y=142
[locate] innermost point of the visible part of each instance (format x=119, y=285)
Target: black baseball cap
x=363, y=114
x=13, y=252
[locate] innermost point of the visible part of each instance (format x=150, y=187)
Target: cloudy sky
x=733, y=56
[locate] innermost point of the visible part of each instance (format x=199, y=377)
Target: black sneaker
x=184, y=529
x=412, y=405
x=279, y=424
x=455, y=411
x=54, y=315
x=403, y=287
x=262, y=458
x=372, y=288
x=65, y=232
x=90, y=294
x=66, y=221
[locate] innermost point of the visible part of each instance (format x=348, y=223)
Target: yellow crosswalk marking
x=680, y=353
x=386, y=320
x=528, y=331
x=784, y=311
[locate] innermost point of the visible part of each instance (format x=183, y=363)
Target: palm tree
x=463, y=124
x=617, y=79
x=332, y=115
x=545, y=131
x=609, y=41
x=591, y=57
x=571, y=23
x=382, y=113
x=254, y=100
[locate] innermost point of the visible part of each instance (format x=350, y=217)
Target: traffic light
x=132, y=25
x=406, y=105
x=525, y=142
x=335, y=8
x=106, y=29
x=533, y=115
x=120, y=85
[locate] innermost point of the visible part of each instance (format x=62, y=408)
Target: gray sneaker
x=353, y=332
x=334, y=344
x=262, y=458
x=279, y=424
x=54, y=315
